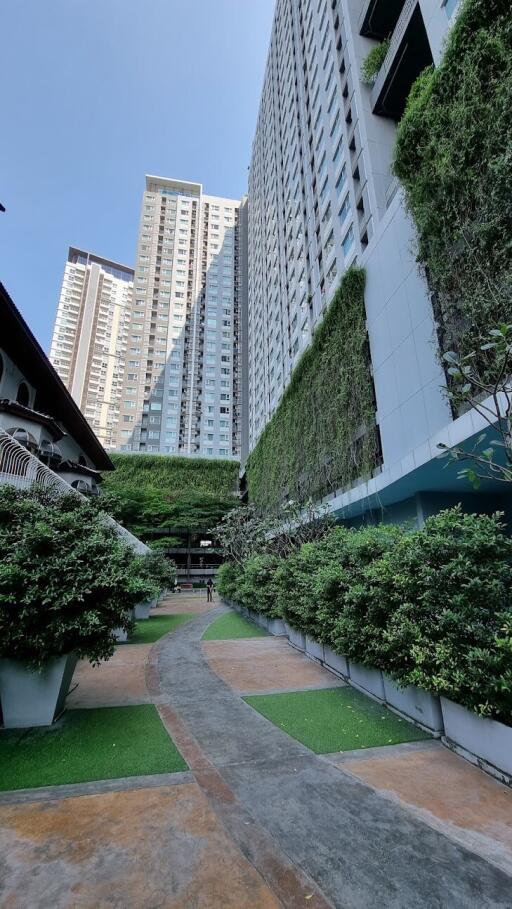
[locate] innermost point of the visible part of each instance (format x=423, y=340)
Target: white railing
x=20, y=468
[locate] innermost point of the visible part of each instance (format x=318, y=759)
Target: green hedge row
x=453, y=157
x=322, y=435
x=430, y=607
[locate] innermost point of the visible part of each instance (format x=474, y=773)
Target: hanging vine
x=323, y=436
x=454, y=158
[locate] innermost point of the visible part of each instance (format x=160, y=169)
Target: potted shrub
x=256, y=591
x=482, y=737
x=346, y=624
x=67, y=582
x=159, y=573
x=440, y=606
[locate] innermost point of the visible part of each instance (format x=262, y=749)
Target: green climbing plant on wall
x=454, y=158
x=322, y=435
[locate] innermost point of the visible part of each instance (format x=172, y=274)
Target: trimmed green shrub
x=67, y=580
x=335, y=584
x=453, y=156
x=257, y=587
x=373, y=62
x=434, y=610
x=157, y=570
x=228, y=578
x=322, y=435
x=431, y=607
x=297, y=597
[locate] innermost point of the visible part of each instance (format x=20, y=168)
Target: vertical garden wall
x=454, y=158
x=322, y=435
x=160, y=497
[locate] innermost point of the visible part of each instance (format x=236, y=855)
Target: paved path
x=259, y=821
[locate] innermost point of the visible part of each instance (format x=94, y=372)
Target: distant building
x=152, y=355
x=37, y=410
x=181, y=391
x=90, y=337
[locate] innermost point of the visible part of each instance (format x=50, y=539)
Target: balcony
x=408, y=55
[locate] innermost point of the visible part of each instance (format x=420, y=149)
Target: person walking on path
x=209, y=591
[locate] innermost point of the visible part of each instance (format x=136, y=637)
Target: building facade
x=37, y=411
x=181, y=393
x=322, y=197
x=90, y=337
x=153, y=356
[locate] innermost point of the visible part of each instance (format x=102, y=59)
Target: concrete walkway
x=258, y=821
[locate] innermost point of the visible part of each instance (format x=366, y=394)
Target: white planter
x=120, y=635
x=483, y=738
x=314, y=649
x=336, y=662
x=367, y=680
x=142, y=609
x=34, y=698
x=276, y=626
x=415, y=703
x=296, y=638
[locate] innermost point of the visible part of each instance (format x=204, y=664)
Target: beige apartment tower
x=90, y=337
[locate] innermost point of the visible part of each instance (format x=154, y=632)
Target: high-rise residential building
x=152, y=355
x=181, y=392
x=90, y=337
x=322, y=197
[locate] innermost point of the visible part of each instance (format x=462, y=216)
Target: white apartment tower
x=181, y=391
x=152, y=356
x=322, y=197
x=90, y=336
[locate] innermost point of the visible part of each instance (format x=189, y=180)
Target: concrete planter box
x=295, y=637
x=142, y=609
x=276, y=626
x=314, y=649
x=415, y=703
x=367, y=680
x=336, y=662
x=121, y=636
x=484, y=739
x=34, y=698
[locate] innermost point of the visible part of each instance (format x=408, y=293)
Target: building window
x=348, y=242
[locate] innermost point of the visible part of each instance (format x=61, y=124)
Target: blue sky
x=95, y=94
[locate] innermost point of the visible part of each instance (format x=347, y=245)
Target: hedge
x=322, y=435
x=453, y=156
x=430, y=607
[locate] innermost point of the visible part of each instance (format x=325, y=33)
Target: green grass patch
x=231, y=627
x=335, y=719
x=103, y=744
x=147, y=631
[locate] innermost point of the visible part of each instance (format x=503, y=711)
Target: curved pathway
x=312, y=830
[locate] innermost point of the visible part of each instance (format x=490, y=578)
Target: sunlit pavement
x=258, y=820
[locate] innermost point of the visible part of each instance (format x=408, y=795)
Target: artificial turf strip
x=335, y=719
x=101, y=744
x=147, y=631
x=231, y=627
